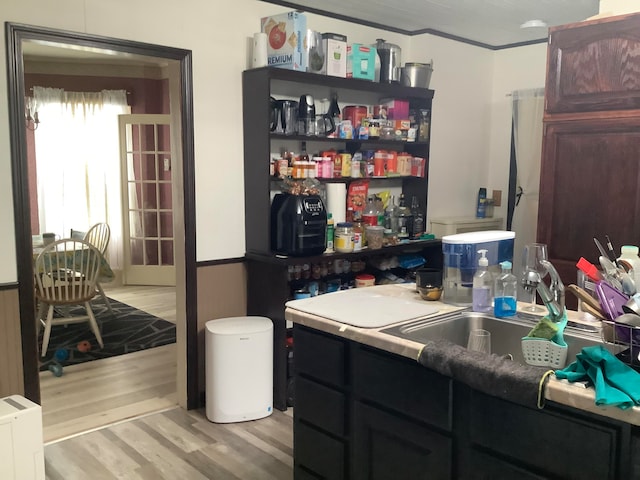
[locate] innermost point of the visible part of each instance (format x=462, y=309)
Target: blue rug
x=127, y=330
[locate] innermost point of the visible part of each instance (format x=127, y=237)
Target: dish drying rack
x=624, y=342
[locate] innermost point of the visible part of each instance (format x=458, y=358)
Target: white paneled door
x=145, y=153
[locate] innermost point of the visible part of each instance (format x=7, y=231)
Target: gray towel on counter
x=490, y=374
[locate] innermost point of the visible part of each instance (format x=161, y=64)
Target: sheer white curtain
x=528, y=108
x=78, y=162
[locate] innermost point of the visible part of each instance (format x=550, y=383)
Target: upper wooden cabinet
x=594, y=65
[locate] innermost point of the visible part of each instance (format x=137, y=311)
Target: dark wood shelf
x=347, y=141
x=413, y=246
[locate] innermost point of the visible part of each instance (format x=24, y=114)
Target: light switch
x=167, y=165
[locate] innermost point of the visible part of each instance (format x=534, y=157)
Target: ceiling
x=493, y=24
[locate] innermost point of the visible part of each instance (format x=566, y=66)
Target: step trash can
x=239, y=369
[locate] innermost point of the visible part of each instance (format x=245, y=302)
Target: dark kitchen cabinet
x=268, y=286
x=364, y=413
x=589, y=182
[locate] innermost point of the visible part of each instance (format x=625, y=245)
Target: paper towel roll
x=337, y=201
x=259, y=50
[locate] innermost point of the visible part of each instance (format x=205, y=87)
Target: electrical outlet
x=497, y=198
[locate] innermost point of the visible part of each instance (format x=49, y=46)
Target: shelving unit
x=268, y=286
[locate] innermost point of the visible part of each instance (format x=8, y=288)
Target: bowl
x=430, y=293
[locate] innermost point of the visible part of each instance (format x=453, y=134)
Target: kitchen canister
x=259, y=50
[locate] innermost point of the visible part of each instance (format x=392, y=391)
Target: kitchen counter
x=560, y=391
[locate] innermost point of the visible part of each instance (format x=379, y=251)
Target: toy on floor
x=84, y=346
x=60, y=355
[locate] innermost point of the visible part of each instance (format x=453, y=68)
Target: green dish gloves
x=615, y=383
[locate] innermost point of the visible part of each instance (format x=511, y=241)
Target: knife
x=603, y=252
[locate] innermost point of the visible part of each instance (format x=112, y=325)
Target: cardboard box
x=361, y=61
x=335, y=60
x=396, y=109
x=285, y=36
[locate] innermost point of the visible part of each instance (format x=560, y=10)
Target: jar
x=343, y=242
x=365, y=280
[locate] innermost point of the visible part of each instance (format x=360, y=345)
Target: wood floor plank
x=168, y=463
x=177, y=445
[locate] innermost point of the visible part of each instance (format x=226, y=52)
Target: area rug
x=127, y=330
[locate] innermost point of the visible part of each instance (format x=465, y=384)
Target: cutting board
x=363, y=307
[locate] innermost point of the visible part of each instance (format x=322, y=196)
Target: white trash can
x=239, y=369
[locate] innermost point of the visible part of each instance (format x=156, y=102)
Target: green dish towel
x=615, y=382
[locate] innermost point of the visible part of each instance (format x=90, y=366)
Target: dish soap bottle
x=482, y=285
x=504, y=302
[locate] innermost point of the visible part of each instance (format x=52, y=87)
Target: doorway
x=184, y=220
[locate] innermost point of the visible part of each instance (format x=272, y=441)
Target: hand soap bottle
x=482, y=285
x=504, y=302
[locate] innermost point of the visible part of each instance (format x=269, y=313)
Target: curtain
x=78, y=162
x=528, y=107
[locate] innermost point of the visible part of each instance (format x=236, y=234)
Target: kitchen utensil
x=325, y=125
x=390, y=61
x=416, y=74
x=611, y=250
x=603, y=252
x=617, y=277
x=274, y=113
x=587, y=299
x=306, y=115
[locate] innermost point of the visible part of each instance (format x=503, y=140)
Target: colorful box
x=335, y=60
x=396, y=109
x=361, y=61
x=285, y=36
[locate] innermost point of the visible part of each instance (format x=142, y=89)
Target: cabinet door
x=388, y=447
x=589, y=187
x=594, y=66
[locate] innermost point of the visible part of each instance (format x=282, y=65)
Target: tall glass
x=532, y=268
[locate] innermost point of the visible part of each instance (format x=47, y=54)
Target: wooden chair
x=54, y=290
x=98, y=236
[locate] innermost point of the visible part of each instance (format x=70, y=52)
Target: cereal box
x=285, y=35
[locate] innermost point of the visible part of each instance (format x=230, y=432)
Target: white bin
x=239, y=369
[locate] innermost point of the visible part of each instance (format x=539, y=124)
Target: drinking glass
x=532, y=255
x=479, y=340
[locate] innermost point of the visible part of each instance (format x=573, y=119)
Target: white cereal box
x=285, y=35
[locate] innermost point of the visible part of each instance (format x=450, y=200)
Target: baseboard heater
x=21, y=444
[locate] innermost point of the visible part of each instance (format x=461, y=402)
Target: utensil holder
x=543, y=353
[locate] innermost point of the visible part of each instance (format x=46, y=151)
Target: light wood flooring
x=99, y=393
x=178, y=445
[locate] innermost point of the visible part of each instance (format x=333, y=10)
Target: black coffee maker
x=298, y=225
x=306, y=115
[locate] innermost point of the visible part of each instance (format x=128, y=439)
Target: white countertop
x=560, y=391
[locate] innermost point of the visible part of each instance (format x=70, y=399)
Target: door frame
x=15, y=34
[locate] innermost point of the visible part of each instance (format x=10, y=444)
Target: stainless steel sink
x=506, y=334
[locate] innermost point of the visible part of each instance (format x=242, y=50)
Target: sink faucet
x=553, y=295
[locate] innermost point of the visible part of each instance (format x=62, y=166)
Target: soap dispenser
x=506, y=291
x=482, y=285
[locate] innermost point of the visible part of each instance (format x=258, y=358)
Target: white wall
x=463, y=142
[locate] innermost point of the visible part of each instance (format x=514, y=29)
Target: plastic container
x=375, y=236
x=629, y=254
x=343, y=242
x=482, y=285
x=461, y=260
x=506, y=292
x=365, y=280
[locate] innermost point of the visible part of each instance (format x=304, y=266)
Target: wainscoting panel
x=222, y=293
x=11, y=373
